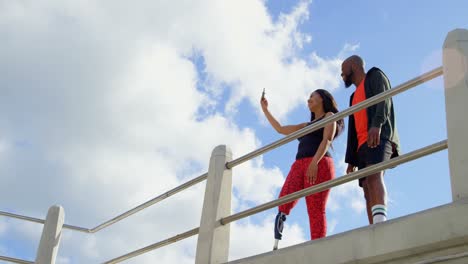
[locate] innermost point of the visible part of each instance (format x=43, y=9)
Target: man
x=372, y=133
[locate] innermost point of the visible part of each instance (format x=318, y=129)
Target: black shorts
x=367, y=156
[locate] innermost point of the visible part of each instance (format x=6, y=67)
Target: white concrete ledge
x=436, y=232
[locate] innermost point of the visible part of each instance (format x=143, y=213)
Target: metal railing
x=305, y=192
x=338, y=181
x=15, y=260
x=154, y=246
x=323, y=186
x=294, y=196
x=120, y=217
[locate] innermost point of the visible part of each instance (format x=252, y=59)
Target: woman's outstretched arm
x=285, y=130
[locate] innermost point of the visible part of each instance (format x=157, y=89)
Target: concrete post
x=213, y=239
x=51, y=234
x=455, y=63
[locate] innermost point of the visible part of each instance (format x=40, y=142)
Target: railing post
x=213, y=239
x=51, y=234
x=455, y=63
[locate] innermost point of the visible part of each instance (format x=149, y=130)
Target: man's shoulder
x=374, y=71
x=376, y=74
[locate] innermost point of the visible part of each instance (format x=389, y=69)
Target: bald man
x=372, y=133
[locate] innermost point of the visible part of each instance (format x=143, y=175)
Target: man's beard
x=348, y=80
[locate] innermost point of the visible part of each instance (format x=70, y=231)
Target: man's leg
x=378, y=197
x=377, y=194
x=365, y=188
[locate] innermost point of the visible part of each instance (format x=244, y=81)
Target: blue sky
x=125, y=102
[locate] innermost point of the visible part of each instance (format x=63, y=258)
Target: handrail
x=152, y=201
x=41, y=221
x=311, y=190
x=121, y=216
x=340, y=115
x=156, y=245
x=299, y=194
x=338, y=181
x=15, y=260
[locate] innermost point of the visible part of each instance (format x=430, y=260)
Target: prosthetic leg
x=279, y=224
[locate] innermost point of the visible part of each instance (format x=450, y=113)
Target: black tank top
x=309, y=144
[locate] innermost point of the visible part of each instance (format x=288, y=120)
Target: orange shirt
x=360, y=117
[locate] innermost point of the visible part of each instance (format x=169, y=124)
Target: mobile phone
x=263, y=93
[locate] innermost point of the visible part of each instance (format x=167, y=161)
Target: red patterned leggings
x=316, y=203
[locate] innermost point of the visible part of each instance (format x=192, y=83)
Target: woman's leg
x=294, y=182
x=316, y=203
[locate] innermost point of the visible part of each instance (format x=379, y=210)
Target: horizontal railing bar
x=339, y=181
x=77, y=228
x=14, y=260
x=151, y=202
x=40, y=221
x=119, y=217
x=22, y=217
x=340, y=115
x=154, y=246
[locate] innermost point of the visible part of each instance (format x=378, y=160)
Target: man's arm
x=352, y=144
x=379, y=84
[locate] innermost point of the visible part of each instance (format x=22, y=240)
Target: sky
x=106, y=104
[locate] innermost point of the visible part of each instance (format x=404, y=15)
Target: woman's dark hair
x=329, y=105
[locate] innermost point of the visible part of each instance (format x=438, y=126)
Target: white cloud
x=256, y=184
x=348, y=49
x=331, y=226
x=106, y=103
x=63, y=260
x=430, y=62
x=242, y=234
x=348, y=195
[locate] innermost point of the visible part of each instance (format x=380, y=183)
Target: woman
x=313, y=163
